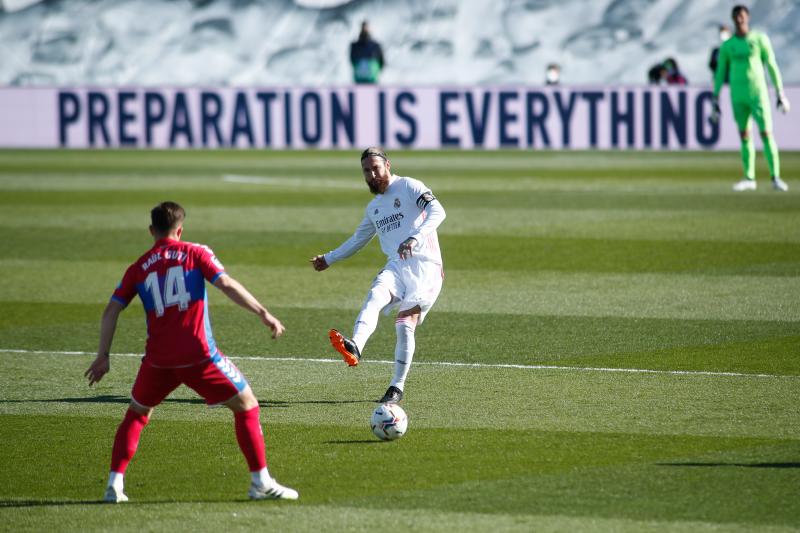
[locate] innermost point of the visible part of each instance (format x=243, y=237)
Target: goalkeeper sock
x=404, y=350
x=771, y=154
x=367, y=320
x=127, y=440
x=749, y=158
x=250, y=438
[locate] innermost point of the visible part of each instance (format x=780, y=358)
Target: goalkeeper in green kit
x=746, y=54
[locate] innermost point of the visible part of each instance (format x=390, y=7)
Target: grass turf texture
x=617, y=260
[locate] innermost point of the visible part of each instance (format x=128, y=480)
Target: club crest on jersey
x=397, y=203
x=376, y=212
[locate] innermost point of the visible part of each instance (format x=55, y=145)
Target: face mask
x=724, y=35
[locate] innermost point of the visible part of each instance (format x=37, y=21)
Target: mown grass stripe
x=288, y=181
x=445, y=363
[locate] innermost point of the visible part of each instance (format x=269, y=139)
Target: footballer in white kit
x=404, y=215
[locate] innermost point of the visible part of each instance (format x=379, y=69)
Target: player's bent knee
x=744, y=135
x=244, y=401
x=136, y=407
x=414, y=313
x=764, y=134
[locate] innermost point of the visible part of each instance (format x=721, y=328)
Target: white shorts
x=411, y=282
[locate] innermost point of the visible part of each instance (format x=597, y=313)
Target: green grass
x=560, y=266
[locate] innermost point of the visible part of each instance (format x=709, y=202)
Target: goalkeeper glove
x=783, y=103
x=715, y=112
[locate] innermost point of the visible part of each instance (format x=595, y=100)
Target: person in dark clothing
x=674, y=75
x=724, y=35
x=657, y=74
x=666, y=72
x=366, y=56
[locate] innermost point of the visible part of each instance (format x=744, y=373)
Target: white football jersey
x=394, y=216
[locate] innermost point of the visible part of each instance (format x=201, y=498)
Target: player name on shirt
x=175, y=255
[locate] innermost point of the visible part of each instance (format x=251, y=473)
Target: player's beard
x=376, y=184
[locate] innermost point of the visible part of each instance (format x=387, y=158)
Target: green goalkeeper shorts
x=758, y=109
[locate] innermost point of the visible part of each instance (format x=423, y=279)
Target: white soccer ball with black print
x=389, y=421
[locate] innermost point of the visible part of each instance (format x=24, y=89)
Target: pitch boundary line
x=446, y=364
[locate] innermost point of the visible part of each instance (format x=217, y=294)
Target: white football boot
x=744, y=185
x=114, y=495
x=271, y=491
x=779, y=185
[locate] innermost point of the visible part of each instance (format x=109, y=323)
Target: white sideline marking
x=291, y=182
x=447, y=363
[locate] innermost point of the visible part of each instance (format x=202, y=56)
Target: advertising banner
x=609, y=118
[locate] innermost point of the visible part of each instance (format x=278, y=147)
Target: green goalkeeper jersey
x=746, y=57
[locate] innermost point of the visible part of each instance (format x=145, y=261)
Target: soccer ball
x=389, y=421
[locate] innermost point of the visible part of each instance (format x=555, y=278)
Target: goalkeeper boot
x=779, y=185
x=393, y=395
x=744, y=185
x=346, y=347
x=271, y=491
x=114, y=495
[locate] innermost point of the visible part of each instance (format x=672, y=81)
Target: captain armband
x=424, y=199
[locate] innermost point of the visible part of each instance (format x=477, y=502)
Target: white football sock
x=115, y=479
x=261, y=477
x=367, y=319
x=403, y=351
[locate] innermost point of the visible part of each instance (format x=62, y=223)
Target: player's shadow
x=59, y=503
x=741, y=465
x=362, y=441
x=46, y=503
x=115, y=398
x=290, y=403
x=103, y=398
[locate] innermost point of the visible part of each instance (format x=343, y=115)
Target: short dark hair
x=374, y=151
x=166, y=216
x=738, y=9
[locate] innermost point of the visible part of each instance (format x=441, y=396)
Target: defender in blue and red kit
x=170, y=279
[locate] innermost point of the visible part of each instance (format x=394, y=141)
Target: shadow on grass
x=59, y=503
x=285, y=403
x=743, y=465
x=104, y=398
x=47, y=503
x=365, y=441
x=113, y=398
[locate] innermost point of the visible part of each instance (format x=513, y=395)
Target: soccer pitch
x=616, y=346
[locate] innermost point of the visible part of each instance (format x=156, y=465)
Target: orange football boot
x=345, y=346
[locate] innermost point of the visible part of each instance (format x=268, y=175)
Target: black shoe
x=393, y=395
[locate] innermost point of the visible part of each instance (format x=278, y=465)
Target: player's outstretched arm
x=319, y=263
x=238, y=294
x=108, y=325
x=363, y=234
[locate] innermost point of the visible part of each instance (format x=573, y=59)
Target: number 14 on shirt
x=174, y=292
